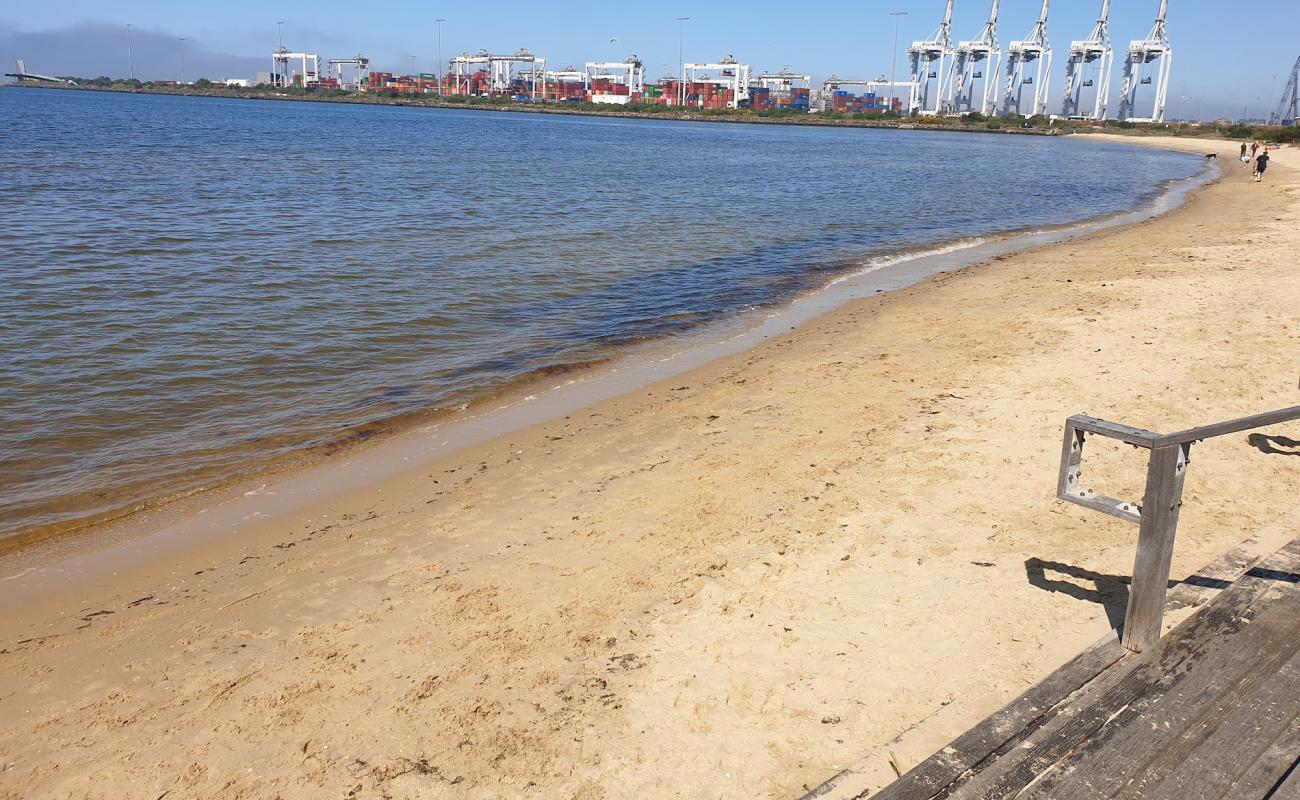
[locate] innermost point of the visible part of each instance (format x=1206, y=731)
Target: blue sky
x=1227, y=55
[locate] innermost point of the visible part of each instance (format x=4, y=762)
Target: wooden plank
x=1114, y=430
x=1230, y=426
x=1155, y=550
x=1123, y=509
x=1289, y=787
x=1215, y=576
x=1005, y=728
x=948, y=768
x=1071, y=458
x=1258, y=737
x=1150, y=738
x=1261, y=777
x=1119, y=689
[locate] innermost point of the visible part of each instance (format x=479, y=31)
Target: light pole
x=182, y=41
x=130, y=57
x=441, y=66
x=681, y=60
x=893, y=70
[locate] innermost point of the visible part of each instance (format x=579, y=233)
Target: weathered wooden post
x=1155, y=550
x=1157, y=515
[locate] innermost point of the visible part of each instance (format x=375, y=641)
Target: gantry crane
x=280, y=76
x=629, y=72
x=974, y=60
x=782, y=81
x=1029, y=63
x=1096, y=49
x=500, y=71
x=464, y=66
x=834, y=82
x=359, y=63
x=1141, y=52
x=730, y=74
x=1286, y=107
x=929, y=63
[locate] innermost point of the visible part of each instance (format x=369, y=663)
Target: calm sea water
x=187, y=284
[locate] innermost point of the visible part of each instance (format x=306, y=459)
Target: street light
x=182, y=41
x=893, y=70
x=130, y=57
x=681, y=61
x=441, y=65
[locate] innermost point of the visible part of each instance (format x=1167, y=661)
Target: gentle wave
x=173, y=320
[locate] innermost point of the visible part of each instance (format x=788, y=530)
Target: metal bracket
x=1157, y=515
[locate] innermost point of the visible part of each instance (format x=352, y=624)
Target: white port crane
x=280, y=76
x=1029, y=63
x=1096, y=49
x=975, y=60
x=500, y=70
x=360, y=66
x=1286, y=107
x=463, y=68
x=630, y=72
x=782, y=81
x=729, y=74
x=929, y=61
x=1154, y=48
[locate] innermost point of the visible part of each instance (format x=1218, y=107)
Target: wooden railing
x=1157, y=514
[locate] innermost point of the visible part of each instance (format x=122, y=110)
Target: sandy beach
x=732, y=584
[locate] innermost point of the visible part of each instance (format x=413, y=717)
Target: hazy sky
x=1228, y=55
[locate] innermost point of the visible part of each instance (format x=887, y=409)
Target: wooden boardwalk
x=1210, y=711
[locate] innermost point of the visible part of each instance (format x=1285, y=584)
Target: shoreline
x=741, y=578
x=735, y=116
x=98, y=543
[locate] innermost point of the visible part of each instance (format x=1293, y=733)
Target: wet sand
x=730, y=584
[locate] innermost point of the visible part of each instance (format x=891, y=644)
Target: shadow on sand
x=1274, y=445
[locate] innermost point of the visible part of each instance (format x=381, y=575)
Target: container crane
x=1096, y=49
x=1154, y=48
x=1029, y=63
x=280, y=76
x=359, y=63
x=929, y=61
x=464, y=66
x=782, y=81
x=501, y=71
x=730, y=74
x=1286, y=107
x=835, y=82
x=974, y=60
x=630, y=72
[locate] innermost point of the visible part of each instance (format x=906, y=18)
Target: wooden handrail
x=1157, y=515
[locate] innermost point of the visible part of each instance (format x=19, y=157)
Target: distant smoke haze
x=92, y=49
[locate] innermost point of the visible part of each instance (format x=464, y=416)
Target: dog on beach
x=1211, y=156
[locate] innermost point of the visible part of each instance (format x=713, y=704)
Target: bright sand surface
x=732, y=584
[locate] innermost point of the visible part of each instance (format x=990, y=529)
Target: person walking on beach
x=1261, y=164
x=1243, y=151
x=1254, y=146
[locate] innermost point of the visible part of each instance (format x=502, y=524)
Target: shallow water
x=189, y=285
